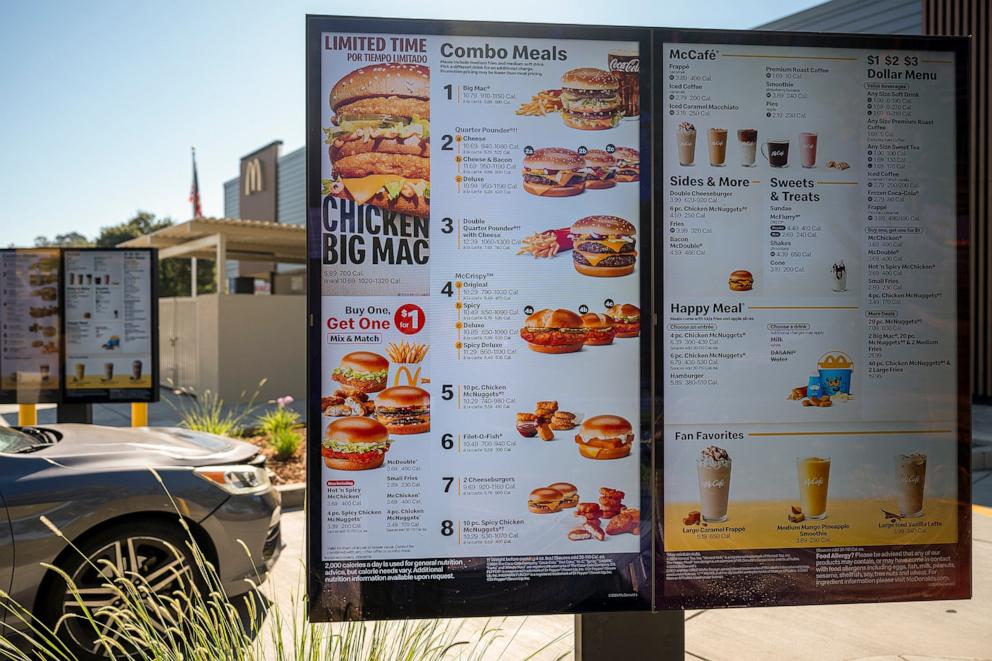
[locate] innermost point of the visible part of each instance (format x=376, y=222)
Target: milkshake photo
x=911, y=473
x=713, y=469
x=838, y=280
x=748, y=142
x=814, y=479
x=685, y=136
x=718, y=146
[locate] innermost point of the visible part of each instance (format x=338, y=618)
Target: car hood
x=143, y=446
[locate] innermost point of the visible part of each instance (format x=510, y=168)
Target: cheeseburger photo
x=404, y=409
x=605, y=437
x=628, y=164
x=590, y=99
x=569, y=493
x=554, y=172
x=626, y=318
x=554, y=331
x=544, y=501
x=600, y=170
x=599, y=329
x=355, y=444
x=603, y=246
x=379, y=138
x=741, y=281
x=362, y=371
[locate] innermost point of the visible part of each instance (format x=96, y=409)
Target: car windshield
x=13, y=441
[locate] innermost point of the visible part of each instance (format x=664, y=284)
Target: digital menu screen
x=479, y=245
x=111, y=325
x=814, y=239
x=29, y=325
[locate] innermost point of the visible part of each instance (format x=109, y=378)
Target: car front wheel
x=157, y=560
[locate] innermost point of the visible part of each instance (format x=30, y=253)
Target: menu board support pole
x=81, y=414
x=618, y=635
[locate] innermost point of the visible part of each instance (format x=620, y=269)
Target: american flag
x=194, y=191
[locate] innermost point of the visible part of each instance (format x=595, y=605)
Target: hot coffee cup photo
x=776, y=152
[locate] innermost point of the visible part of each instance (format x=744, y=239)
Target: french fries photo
x=406, y=352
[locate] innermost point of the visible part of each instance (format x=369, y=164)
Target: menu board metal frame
x=469, y=594
x=123, y=395
x=960, y=48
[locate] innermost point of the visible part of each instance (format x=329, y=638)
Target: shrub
x=280, y=420
x=284, y=442
x=208, y=413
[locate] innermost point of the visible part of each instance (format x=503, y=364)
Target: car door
x=6, y=551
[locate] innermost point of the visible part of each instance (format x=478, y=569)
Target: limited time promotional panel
x=479, y=255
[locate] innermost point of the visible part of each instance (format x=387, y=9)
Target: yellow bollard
x=27, y=415
x=139, y=414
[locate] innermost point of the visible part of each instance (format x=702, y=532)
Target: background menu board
x=110, y=325
x=478, y=251
x=809, y=209
x=29, y=325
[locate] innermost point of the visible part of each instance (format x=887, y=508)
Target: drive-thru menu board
x=29, y=325
x=809, y=204
x=477, y=245
x=110, y=325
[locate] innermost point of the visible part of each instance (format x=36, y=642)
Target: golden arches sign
x=253, y=176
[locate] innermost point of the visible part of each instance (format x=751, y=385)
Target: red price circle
x=409, y=319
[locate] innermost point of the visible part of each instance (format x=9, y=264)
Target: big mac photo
x=379, y=139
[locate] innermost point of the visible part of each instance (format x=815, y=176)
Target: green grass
x=202, y=624
x=284, y=442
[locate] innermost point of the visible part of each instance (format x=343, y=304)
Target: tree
x=142, y=223
x=67, y=240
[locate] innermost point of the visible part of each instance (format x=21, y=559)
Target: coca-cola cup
x=626, y=66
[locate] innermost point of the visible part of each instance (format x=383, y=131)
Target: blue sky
x=101, y=100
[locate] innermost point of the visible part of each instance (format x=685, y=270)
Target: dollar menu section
x=477, y=361
x=813, y=239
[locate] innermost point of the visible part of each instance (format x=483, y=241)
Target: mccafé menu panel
x=479, y=239
x=809, y=209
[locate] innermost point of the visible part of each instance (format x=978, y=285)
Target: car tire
x=159, y=550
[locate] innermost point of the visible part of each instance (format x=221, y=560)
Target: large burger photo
x=379, y=139
x=404, y=409
x=554, y=331
x=603, y=246
x=605, y=437
x=355, y=444
x=554, y=172
x=590, y=99
x=362, y=371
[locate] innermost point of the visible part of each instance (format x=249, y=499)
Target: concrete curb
x=293, y=495
x=981, y=458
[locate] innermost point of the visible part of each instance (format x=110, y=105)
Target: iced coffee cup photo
x=814, y=480
x=718, y=147
x=807, y=149
x=713, y=468
x=777, y=152
x=747, y=140
x=911, y=474
x=685, y=137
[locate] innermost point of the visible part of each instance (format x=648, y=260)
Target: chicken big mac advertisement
x=477, y=259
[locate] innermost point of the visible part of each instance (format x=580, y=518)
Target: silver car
x=94, y=485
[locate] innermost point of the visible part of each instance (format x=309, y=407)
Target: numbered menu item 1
x=462, y=443
x=809, y=208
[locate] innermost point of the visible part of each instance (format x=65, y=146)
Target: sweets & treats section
x=811, y=364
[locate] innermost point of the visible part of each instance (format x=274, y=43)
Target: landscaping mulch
x=288, y=471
